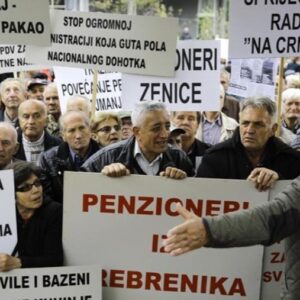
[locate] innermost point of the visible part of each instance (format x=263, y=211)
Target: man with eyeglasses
x=77, y=147
x=147, y=152
x=33, y=137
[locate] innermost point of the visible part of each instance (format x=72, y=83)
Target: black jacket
x=54, y=163
x=228, y=160
x=197, y=149
x=122, y=152
x=49, y=142
x=40, y=239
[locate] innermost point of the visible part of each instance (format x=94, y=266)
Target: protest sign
x=132, y=44
x=74, y=81
x=196, y=86
x=25, y=22
x=12, y=59
x=123, y=221
x=76, y=283
x=273, y=283
x=253, y=77
x=8, y=221
x=264, y=28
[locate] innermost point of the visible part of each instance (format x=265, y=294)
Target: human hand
x=189, y=235
x=174, y=173
x=8, y=262
x=115, y=170
x=263, y=178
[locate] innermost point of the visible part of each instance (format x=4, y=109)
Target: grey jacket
x=265, y=224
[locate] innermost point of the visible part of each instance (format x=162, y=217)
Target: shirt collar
x=138, y=152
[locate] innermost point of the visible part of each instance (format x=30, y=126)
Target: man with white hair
x=12, y=93
x=33, y=137
x=147, y=152
x=79, y=103
x=291, y=109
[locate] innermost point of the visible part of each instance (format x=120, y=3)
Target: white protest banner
x=25, y=22
x=253, y=77
x=12, y=59
x=264, y=28
x=132, y=44
x=8, y=220
x=273, y=284
x=196, y=86
x=74, y=81
x=76, y=283
x=123, y=221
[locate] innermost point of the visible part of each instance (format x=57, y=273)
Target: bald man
x=33, y=138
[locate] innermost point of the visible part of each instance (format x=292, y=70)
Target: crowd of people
x=239, y=141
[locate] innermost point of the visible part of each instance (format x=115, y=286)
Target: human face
x=186, y=120
x=255, y=128
x=126, y=128
x=291, y=109
x=76, y=133
x=152, y=135
x=108, y=132
x=12, y=94
x=32, y=118
x=31, y=199
x=37, y=92
x=52, y=101
x=8, y=146
x=224, y=80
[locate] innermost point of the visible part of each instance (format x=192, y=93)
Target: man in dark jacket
x=147, y=152
x=33, y=138
x=253, y=152
x=189, y=121
x=77, y=147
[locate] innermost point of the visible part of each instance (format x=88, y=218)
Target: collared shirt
x=150, y=168
x=211, y=130
x=77, y=159
x=33, y=150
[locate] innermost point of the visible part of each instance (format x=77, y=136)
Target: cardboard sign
x=132, y=44
x=25, y=22
x=196, y=86
x=264, y=28
x=8, y=221
x=72, y=81
x=76, y=283
x=253, y=77
x=12, y=59
x=122, y=222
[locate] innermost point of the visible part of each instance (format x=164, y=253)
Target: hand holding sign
x=8, y=263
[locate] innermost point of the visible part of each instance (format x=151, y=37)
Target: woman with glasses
x=39, y=223
x=106, y=128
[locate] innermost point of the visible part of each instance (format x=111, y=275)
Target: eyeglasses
x=28, y=186
x=108, y=129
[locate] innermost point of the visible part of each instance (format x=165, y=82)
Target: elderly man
x=51, y=99
x=147, y=152
x=189, y=122
x=79, y=103
x=8, y=144
x=253, y=152
x=291, y=109
x=77, y=147
x=215, y=126
x=33, y=138
x=35, y=88
x=12, y=93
